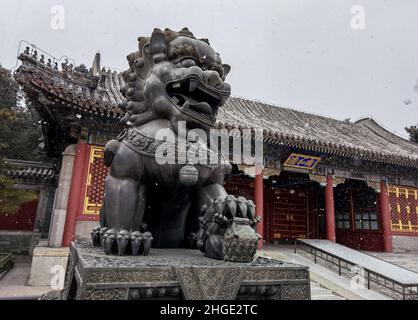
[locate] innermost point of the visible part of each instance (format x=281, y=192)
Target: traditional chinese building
x=25, y=218
x=353, y=183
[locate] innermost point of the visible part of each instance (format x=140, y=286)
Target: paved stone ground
x=319, y=292
x=13, y=284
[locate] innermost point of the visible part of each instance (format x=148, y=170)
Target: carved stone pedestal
x=179, y=274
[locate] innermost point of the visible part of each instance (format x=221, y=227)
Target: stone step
x=320, y=293
x=327, y=297
x=321, y=274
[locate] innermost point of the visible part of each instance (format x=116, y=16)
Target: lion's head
x=176, y=77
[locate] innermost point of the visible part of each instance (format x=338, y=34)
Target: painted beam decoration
x=301, y=161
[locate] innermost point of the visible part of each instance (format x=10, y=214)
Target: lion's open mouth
x=190, y=94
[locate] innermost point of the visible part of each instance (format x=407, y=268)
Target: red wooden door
x=240, y=187
x=288, y=213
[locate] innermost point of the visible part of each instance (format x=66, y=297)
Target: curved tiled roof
x=30, y=170
x=94, y=94
x=364, y=139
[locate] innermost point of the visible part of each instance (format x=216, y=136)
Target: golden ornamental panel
x=96, y=175
x=403, y=203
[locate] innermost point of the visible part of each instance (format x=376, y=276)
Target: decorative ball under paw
x=188, y=175
x=240, y=241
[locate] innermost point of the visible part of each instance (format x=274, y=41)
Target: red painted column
x=329, y=209
x=385, y=217
x=259, y=205
x=75, y=195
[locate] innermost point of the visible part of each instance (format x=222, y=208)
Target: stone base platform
x=179, y=274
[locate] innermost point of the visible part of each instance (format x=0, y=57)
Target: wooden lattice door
x=289, y=210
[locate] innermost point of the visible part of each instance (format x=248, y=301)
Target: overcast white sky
x=297, y=53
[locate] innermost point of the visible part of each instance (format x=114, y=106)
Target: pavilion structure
x=354, y=183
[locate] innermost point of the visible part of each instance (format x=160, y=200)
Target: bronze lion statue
x=175, y=84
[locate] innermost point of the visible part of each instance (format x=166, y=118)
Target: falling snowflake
x=407, y=102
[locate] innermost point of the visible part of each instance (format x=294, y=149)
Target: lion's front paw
x=95, y=236
x=147, y=241
x=136, y=242
x=122, y=242
x=241, y=208
x=109, y=240
x=220, y=219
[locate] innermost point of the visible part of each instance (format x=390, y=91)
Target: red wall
x=360, y=239
x=23, y=219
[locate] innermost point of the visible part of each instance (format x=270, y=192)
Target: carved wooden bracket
x=374, y=185
x=322, y=180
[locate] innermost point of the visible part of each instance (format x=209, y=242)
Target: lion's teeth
x=192, y=85
x=176, y=85
x=175, y=99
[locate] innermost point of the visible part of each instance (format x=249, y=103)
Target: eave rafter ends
x=30, y=171
x=90, y=105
